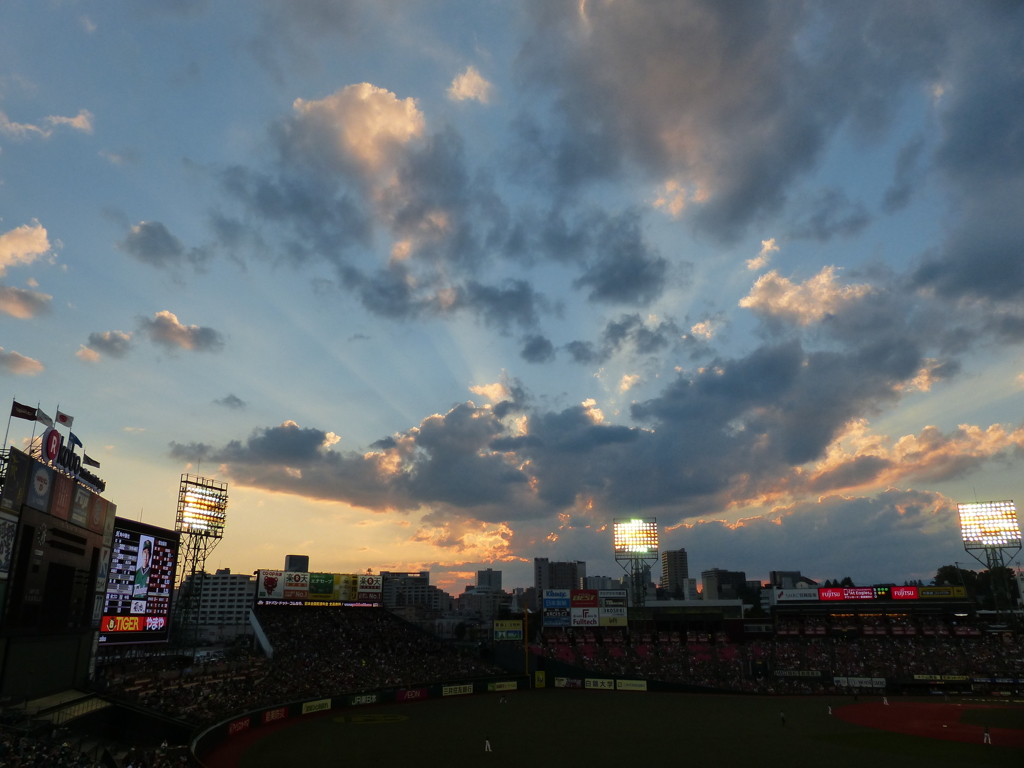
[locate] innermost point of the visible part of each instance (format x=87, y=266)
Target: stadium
x=105, y=661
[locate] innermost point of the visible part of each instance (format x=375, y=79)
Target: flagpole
x=9, y=417
x=33, y=438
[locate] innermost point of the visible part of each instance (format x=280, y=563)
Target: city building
x=483, y=603
x=225, y=599
x=720, y=584
x=689, y=590
x=790, y=580
x=601, y=582
x=298, y=563
x=489, y=578
x=403, y=589
x=558, y=575
x=674, y=570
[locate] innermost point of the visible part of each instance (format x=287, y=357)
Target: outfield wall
x=204, y=740
x=578, y=677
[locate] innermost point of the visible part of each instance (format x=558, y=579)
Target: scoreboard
x=140, y=584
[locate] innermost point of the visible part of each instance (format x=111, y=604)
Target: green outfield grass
x=592, y=728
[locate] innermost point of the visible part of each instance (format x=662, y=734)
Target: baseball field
x=588, y=728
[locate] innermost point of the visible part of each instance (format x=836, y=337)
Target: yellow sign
x=539, y=680
x=631, y=685
x=316, y=706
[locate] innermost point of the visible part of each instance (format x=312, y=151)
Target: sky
x=449, y=285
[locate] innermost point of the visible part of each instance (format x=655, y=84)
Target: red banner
x=846, y=593
x=412, y=694
x=275, y=714
x=904, y=593
x=239, y=725
x=583, y=598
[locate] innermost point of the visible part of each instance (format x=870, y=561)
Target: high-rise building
x=558, y=575
x=224, y=602
x=489, y=578
x=674, y=570
x=298, y=563
x=601, y=582
x=720, y=584
x=412, y=588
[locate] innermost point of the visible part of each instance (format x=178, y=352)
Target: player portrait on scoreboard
x=142, y=567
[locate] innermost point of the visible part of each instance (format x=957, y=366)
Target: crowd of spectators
x=788, y=664
x=22, y=749
x=316, y=653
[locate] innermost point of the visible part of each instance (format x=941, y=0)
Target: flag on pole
x=87, y=459
x=64, y=420
x=40, y=416
x=73, y=441
x=19, y=411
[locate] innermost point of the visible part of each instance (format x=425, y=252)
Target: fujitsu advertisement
x=846, y=593
x=903, y=593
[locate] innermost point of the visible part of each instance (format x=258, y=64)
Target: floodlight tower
x=202, y=512
x=990, y=527
x=636, y=549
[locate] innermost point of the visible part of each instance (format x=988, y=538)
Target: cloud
x=829, y=214
x=81, y=122
x=537, y=349
x=905, y=178
x=359, y=126
x=110, y=343
x=17, y=364
x=87, y=355
x=631, y=334
x=495, y=392
x=23, y=304
x=231, y=401
x=152, y=243
x=470, y=85
x=22, y=245
x=887, y=536
x=625, y=268
x=768, y=247
x=773, y=296
x=165, y=329
x=739, y=102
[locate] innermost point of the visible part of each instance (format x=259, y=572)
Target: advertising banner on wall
x=792, y=595
x=16, y=484
x=296, y=585
x=585, y=617
x=557, y=617
x=933, y=593
x=613, y=621
x=556, y=598
x=369, y=587
x=321, y=586
x=270, y=584
x=583, y=598
x=508, y=630
x=40, y=487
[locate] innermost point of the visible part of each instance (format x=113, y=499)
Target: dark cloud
x=740, y=100
x=165, y=329
x=829, y=214
x=625, y=269
x=537, y=349
x=111, y=343
x=629, y=333
x=152, y=243
x=886, y=537
x=981, y=157
x=231, y=401
x=905, y=179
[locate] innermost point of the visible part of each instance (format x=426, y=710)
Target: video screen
x=140, y=584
